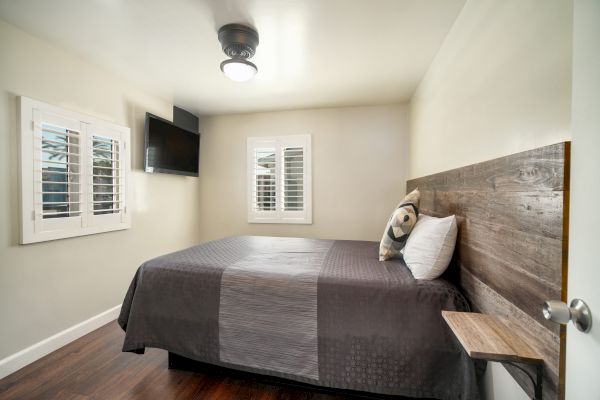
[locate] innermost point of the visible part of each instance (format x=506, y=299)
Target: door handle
x=578, y=312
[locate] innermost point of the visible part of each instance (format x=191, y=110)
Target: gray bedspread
x=322, y=312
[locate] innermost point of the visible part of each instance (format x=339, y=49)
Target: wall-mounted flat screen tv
x=169, y=148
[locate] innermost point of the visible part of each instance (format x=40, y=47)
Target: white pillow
x=430, y=246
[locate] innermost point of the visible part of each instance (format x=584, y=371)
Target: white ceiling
x=312, y=53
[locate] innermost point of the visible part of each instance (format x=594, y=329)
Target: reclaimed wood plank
x=535, y=170
x=520, y=249
x=487, y=337
x=523, y=290
x=533, y=213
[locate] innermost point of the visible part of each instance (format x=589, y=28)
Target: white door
x=583, y=350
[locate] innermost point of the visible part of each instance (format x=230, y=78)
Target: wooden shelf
x=489, y=338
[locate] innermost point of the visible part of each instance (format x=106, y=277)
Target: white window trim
x=280, y=216
x=32, y=229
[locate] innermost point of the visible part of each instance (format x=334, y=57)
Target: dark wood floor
x=94, y=367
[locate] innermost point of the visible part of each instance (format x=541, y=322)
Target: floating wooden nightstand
x=488, y=337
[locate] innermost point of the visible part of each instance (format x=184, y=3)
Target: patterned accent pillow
x=399, y=226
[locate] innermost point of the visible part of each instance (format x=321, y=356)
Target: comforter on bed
x=322, y=312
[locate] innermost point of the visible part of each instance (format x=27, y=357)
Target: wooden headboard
x=511, y=251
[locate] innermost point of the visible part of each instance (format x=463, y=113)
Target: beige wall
x=48, y=287
x=500, y=84
x=359, y=161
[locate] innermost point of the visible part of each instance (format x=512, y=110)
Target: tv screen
x=169, y=148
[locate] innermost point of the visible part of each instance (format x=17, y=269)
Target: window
x=279, y=179
x=74, y=171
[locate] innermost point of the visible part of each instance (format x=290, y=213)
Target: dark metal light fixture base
x=238, y=41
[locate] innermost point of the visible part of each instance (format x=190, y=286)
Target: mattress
x=323, y=312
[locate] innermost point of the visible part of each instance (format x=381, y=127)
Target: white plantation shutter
x=293, y=179
x=58, y=177
x=55, y=165
x=279, y=179
x=107, y=174
x=106, y=182
x=265, y=180
x=59, y=156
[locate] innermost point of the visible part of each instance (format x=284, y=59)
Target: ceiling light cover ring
x=238, y=69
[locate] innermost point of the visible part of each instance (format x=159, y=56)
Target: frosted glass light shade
x=238, y=70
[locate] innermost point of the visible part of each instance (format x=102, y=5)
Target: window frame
x=279, y=216
x=34, y=115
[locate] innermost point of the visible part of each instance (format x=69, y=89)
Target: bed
x=321, y=312
x=328, y=313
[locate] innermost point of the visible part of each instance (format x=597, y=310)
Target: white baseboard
x=32, y=353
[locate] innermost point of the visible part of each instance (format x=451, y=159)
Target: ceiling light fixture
x=239, y=43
